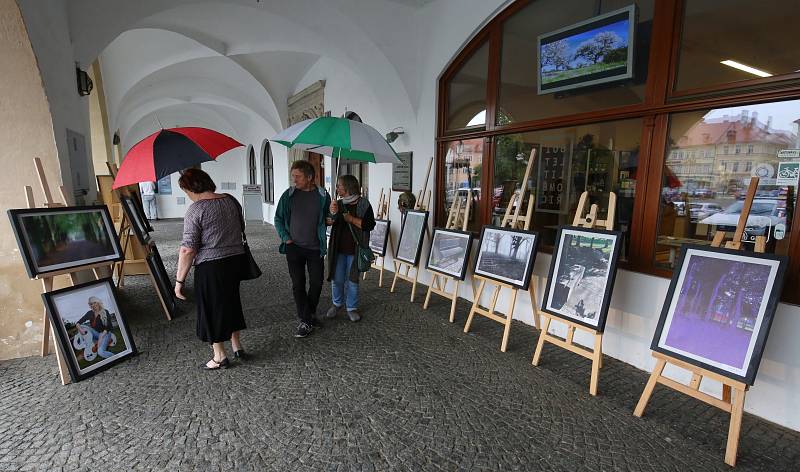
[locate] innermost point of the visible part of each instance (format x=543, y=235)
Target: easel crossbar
x=562, y=343
x=440, y=292
x=488, y=314
x=704, y=397
x=405, y=277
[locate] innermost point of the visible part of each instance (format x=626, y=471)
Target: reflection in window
x=703, y=194
x=597, y=158
x=462, y=178
x=466, y=91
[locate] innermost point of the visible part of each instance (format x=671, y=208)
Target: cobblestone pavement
x=401, y=390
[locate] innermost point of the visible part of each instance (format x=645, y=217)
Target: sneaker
x=331, y=313
x=303, y=330
x=353, y=315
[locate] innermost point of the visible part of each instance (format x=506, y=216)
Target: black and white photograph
x=163, y=283
x=719, y=308
x=449, y=254
x=507, y=255
x=411, y=235
x=379, y=237
x=90, y=329
x=135, y=219
x=581, y=276
x=59, y=239
x=139, y=205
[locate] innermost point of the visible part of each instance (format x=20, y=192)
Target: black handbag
x=364, y=255
x=249, y=269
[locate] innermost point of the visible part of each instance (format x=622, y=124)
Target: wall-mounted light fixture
x=85, y=84
x=392, y=135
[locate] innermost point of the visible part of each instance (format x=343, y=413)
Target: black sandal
x=224, y=364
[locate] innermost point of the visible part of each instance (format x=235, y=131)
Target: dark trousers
x=299, y=259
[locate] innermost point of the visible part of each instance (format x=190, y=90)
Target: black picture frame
x=139, y=226
x=376, y=243
x=83, y=359
x=162, y=280
x=139, y=205
x=518, y=282
x=40, y=261
x=416, y=217
x=557, y=294
x=713, y=330
x=435, y=266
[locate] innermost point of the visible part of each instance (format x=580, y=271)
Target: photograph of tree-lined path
x=598, y=50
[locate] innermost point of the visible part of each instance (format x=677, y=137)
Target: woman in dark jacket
x=212, y=242
x=352, y=217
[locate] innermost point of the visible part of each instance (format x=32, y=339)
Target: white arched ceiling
x=275, y=43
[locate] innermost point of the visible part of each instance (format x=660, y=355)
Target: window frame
x=661, y=100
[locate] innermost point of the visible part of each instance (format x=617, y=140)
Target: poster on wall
x=552, y=183
x=719, y=309
x=401, y=173
x=164, y=185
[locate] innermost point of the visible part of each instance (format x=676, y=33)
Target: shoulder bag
x=249, y=269
x=364, y=255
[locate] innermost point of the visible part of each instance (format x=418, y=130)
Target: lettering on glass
x=552, y=185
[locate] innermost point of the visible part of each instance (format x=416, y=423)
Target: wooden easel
x=489, y=312
x=595, y=355
x=47, y=280
x=438, y=285
x=383, y=212
x=733, y=405
x=135, y=261
x=421, y=205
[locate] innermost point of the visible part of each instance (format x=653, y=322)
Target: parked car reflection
x=764, y=214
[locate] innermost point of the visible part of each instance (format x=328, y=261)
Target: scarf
x=350, y=199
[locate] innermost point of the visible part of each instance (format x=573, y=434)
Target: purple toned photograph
x=718, y=308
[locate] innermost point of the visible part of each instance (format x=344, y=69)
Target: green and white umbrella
x=339, y=138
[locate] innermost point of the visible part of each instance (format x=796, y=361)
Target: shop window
x=743, y=35
x=269, y=173
x=693, y=206
x=466, y=91
x=565, y=61
x=463, y=173
x=597, y=158
x=251, y=166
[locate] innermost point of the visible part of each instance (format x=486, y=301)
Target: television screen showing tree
x=591, y=52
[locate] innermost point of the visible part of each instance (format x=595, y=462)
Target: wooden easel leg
x=414, y=284
x=453, y=304
x=380, y=277
x=648, y=389
x=434, y=283
x=509, y=317
x=539, y=345
x=534, y=303
x=596, y=360
x=726, y=393
x=737, y=409
x=47, y=286
x=63, y=370
x=695, y=384
x=475, y=303
x=394, y=281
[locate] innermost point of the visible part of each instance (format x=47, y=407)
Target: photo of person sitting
x=98, y=322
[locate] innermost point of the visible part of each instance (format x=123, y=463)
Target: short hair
x=196, y=181
x=350, y=184
x=304, y=167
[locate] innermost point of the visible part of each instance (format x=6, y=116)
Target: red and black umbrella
x=171, y=150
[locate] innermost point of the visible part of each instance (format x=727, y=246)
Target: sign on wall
x=164, y=185
x=552, y=183
x=401, y=173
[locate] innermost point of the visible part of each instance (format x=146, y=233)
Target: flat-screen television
x=595, y=51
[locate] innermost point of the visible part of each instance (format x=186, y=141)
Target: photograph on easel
x=163, y=283
x=137, y=203
x=581, y=275
x=719, y=309
x=62, y=238
x=449, y=253
x=507, y=255
x=411, y=235
x=379, y=236
x=90, y=329
x=135, y=218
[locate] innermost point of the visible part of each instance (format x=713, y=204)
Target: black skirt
x=219, y=306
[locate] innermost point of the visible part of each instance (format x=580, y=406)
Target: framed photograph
x=379, y=236
x=411, y=234
x=137, y=202
x=58, y=239
x=139, y=224
x=719, y=309
x=449, y=252
x=506, y=255
x=581, y=277
x=89, y=328
x=164, y=285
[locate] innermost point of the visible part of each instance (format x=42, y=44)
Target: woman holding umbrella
x=352, y=219
x=217, y=255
